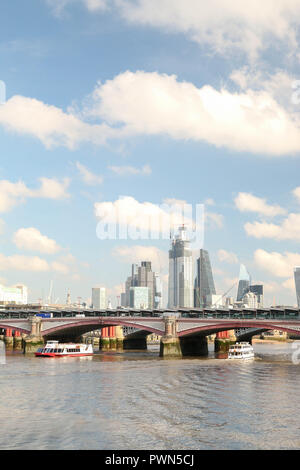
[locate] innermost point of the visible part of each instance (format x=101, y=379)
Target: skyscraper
x=180, y=271
x=99, y=297
x=141, y=276
x=258, y=290
x=297, y=283
x=204, y=282
x=139, y=297
x=244, y=283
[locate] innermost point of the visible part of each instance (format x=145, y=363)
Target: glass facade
x=204, y=282
x=244, y=283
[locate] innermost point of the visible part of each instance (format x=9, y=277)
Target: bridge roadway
x=181, y=330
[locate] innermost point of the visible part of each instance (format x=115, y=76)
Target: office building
x=244, y=283
x=99, y=298
x=139, y=297
x=13, y=295
x=180, y=272
x=204, y=291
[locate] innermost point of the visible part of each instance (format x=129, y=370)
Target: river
x=136, y=400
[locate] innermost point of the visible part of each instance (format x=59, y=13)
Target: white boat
x=56, y=349
x=241, y=351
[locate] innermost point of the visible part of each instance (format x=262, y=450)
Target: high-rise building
x=258, y=290
x=297, y=283
x=180, y=272
x=139, y=297
x=204, y=291
x=99, y=298
x=13, y=295
x=244, y=283
x=141, y=276
x=250, y=300
x=146, y=278
x=158, y=292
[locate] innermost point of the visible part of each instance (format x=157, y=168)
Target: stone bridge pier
x=35, y=340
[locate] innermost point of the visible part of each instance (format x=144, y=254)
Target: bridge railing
x=238, y=314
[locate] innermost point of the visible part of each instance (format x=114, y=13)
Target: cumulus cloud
x=141, y=103
x=141, y=219
x=296, y=193
x=138, y=253
x=246, y=202
x=227, y=257
x=289, y=229
x=225, y=26
x=131, y=170
x=31, y=239
x=58, y=6
x=88, y=177
x=12, y=194
x=277, y=264
x=156, y=104
x=31, y=264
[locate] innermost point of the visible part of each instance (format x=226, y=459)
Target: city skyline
x=82, y=130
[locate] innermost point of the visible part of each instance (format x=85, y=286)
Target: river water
x=135, y=400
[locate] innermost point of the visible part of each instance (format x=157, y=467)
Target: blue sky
x=184, y=104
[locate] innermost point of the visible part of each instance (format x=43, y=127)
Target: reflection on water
x=135, y=400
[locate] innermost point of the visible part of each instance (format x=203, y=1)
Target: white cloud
x=58, y=6
x=296, y=193
x=87, y=176
x=131, y=170
x=227, y=257
x=138, y=253
x=214, y=220
x=246, y=202
x=277, y=264
x=141, y=103
x=49, y=124
x=289, y=229
x=31, y=239
x=289, y=284
x=23, y=263
x=226, y=26
x=152, y=104
x=143, y=219
x=12, y=194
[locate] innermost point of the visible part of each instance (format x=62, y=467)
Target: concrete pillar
x=17, y=340
x=170, y=343
x=105, y=342
x=112, y=338
x=35, y=340
x=9, y=340
x=119, y=338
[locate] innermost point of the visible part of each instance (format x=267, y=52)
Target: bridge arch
x=206, y=330
x=78, y=328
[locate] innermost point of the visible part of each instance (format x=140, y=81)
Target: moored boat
x=56, y=349
x=241, y=351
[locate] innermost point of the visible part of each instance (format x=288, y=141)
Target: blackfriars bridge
x=182, y=331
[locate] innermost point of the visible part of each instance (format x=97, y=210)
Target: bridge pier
x=9, y=339
x=105, y=342
x=18, y=340
x=170, y=343
x=35, y=340
x=223, y=340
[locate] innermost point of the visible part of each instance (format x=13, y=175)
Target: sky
x=119, y=107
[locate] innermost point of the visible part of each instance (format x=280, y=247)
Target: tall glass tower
x=297, y=283
x=180, y=272
x=244, y=283
x=204, y=282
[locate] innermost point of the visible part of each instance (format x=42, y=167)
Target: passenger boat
x=241, y=351
x=56, y=349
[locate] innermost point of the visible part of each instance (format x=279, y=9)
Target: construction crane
x=50, y=292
